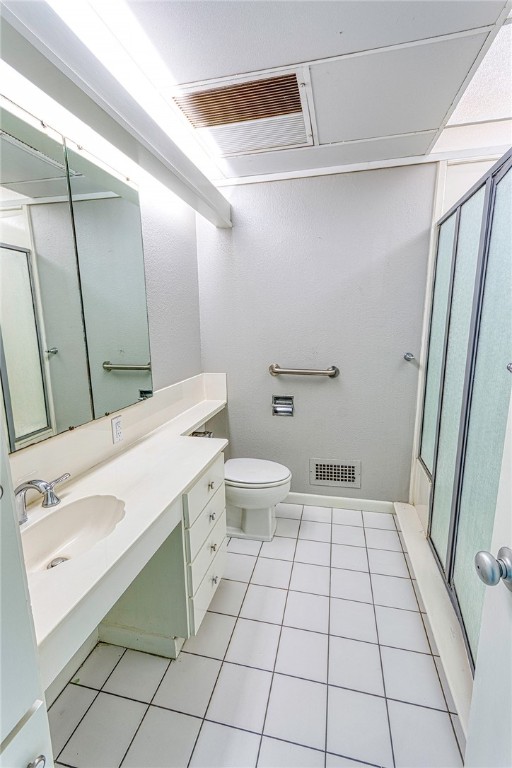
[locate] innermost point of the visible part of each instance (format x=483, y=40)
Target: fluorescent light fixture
x=109, y=30
x=28, y=102
x=20, y=96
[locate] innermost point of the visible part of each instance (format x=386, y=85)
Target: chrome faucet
x=45, y=489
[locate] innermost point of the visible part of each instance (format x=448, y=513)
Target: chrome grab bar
x=108, y=366
x=276, y=370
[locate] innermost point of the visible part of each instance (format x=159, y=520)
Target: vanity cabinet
x=167, y=601
x=204, y=520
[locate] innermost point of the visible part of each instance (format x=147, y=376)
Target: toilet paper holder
x=282, y=405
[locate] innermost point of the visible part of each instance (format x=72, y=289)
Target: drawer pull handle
x=39, y=762
x=213, y=515
x=211, y=485
x=215, y=579
x=213, y=547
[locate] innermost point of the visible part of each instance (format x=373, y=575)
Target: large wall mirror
x=74, y=339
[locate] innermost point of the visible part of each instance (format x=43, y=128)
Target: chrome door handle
x=491, y=570
x=213, y=515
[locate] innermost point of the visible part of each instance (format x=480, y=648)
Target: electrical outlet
x=117, y=430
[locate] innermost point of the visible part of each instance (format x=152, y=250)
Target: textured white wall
x=318, y=272
x=168, y=233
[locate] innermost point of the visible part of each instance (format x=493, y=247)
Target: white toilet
x=253, y=488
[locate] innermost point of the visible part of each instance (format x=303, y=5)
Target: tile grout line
x=381, y=664
x=451, y=711
x=352, y=600
x=281, y=625
x=452, y=715
x=92, y=702
x=422, y=616
x=328, y=647
x=222, y=661
x=145, y=713
x=284, y=674
x=278, y=641
x=342, y=599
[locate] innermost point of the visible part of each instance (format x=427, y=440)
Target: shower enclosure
x=468, y=383
x=23, y=372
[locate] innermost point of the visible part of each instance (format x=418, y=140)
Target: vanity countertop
x=150, y=476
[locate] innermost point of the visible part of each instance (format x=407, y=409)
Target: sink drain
x=56, y=561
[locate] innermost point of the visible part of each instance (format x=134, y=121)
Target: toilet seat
x=232, y=484
x=255, y=473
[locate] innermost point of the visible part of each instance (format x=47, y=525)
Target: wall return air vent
x=346, y=474
x=241, y=117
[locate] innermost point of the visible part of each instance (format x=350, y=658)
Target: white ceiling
x=390, y=92
x=205, y=39
x=489, y=94
x=379, y=79
x=384, y=75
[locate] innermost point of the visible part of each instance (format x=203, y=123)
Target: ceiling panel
x=203, y=39
x=399, y=91
x=327, y=156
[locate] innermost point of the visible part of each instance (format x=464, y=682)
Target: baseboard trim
x=65, y=675
x=443, y=620
x=339, y=502
x=138, y=640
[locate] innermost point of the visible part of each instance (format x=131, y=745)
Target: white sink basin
x=70, y=529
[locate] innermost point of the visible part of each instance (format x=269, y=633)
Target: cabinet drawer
x=197, y=569
x=199, y=604
x=199, y=496
x=206, y=522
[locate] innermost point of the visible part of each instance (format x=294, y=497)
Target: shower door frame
x=490, y=180
x=15, y=443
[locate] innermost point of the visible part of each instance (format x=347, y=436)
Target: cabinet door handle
x=213, y=515
x=211, y=485
x=215, y=579
x=213, y=547
x=39, y=762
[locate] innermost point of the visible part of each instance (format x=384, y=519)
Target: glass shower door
x=490, y=397
x=444, y=261
x=473, y=382
x=468, y=241
x=22, y=373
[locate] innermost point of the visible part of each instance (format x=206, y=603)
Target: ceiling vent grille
x=243, y=117
x=346, y=474
x=252, y=100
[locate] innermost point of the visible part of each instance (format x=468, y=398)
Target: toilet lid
x=257, y=471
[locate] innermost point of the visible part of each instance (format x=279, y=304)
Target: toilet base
x=255, y=524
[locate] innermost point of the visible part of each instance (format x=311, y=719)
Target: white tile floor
x=315, y=654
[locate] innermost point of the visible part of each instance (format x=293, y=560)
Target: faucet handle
x=50, y=497
x=60, y=479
